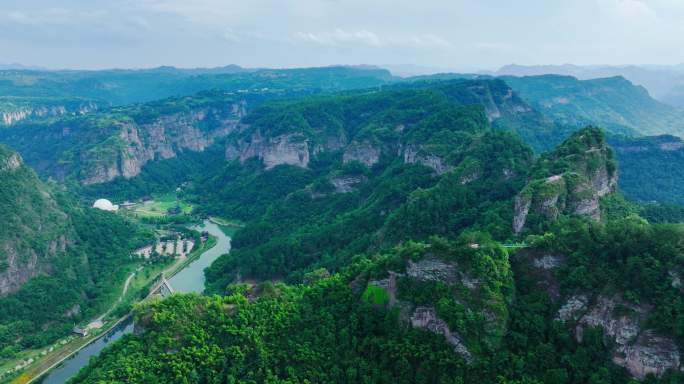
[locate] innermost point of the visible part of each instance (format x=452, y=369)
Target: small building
x=80, y=331
x=174, y=210
x=105, y=205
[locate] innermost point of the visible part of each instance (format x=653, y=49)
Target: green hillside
x=613, y=103
x=409, y=277
x=59, y=264
x=410, y=231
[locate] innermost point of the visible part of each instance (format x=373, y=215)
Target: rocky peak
x=569, y=180
x=422, y=316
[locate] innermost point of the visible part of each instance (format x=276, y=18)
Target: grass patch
x=160, y=205
x=375, y=295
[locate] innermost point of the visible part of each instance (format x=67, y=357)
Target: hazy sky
x=454, y=34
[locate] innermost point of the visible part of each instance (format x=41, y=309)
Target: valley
x=185, y=274
x=469, y=227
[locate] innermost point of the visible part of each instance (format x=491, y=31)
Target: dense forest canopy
x=359, y=263
x=441, y=229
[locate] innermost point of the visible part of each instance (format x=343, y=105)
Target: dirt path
x=120, y=299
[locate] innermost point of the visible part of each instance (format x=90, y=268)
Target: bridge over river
x=162, y=287
x=189, y=279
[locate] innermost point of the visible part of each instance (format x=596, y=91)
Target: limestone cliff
x=292, y=149
x=99, y=146
x=466, y=292
x=639, y=349
x=569, y=180
x=135, y=144
x=635, y=346
x=415, y=155
x=425, y=316
x=13, y=111
x=415, y=125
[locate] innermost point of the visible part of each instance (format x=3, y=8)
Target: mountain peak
x=570, y=180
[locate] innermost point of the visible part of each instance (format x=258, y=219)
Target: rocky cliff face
x=346, y=184
x=421, y=316
x=665, y=143
x=463, y=288
x=12, y=114
x=426, y=318
x=584, y=171
x=20, y=265
x=364, y=130
x=637, y=348
x=640, y=350
x=413, y=155
x=292, y=149
x=163, y=138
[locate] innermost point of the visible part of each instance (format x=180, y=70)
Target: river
x=190, y=279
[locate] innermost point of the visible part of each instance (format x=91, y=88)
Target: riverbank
x=136, y=284
x=226, y=222
x=55, y=359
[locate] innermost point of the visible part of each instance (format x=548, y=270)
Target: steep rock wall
x=15, y=115
x=163, y=138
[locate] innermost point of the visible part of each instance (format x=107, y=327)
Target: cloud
x=371, y=39
x=441, y=33
x=630, y=11
x=429, y=40
x=232, y=36
x=340, y=36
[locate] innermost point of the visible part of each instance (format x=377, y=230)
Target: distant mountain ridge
x=664, y=83
x=126, y=86
x=613, y=103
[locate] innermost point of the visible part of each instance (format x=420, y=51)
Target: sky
x=460, y=35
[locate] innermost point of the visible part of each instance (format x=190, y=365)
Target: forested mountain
x=101, y=146
x=613, y=103
x=392, y=253
x=664, y=83
x=58, y=262
x=359, y=161
x=120, y=87
x=409, y=230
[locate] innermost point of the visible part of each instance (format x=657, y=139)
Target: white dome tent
x=105, y=205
